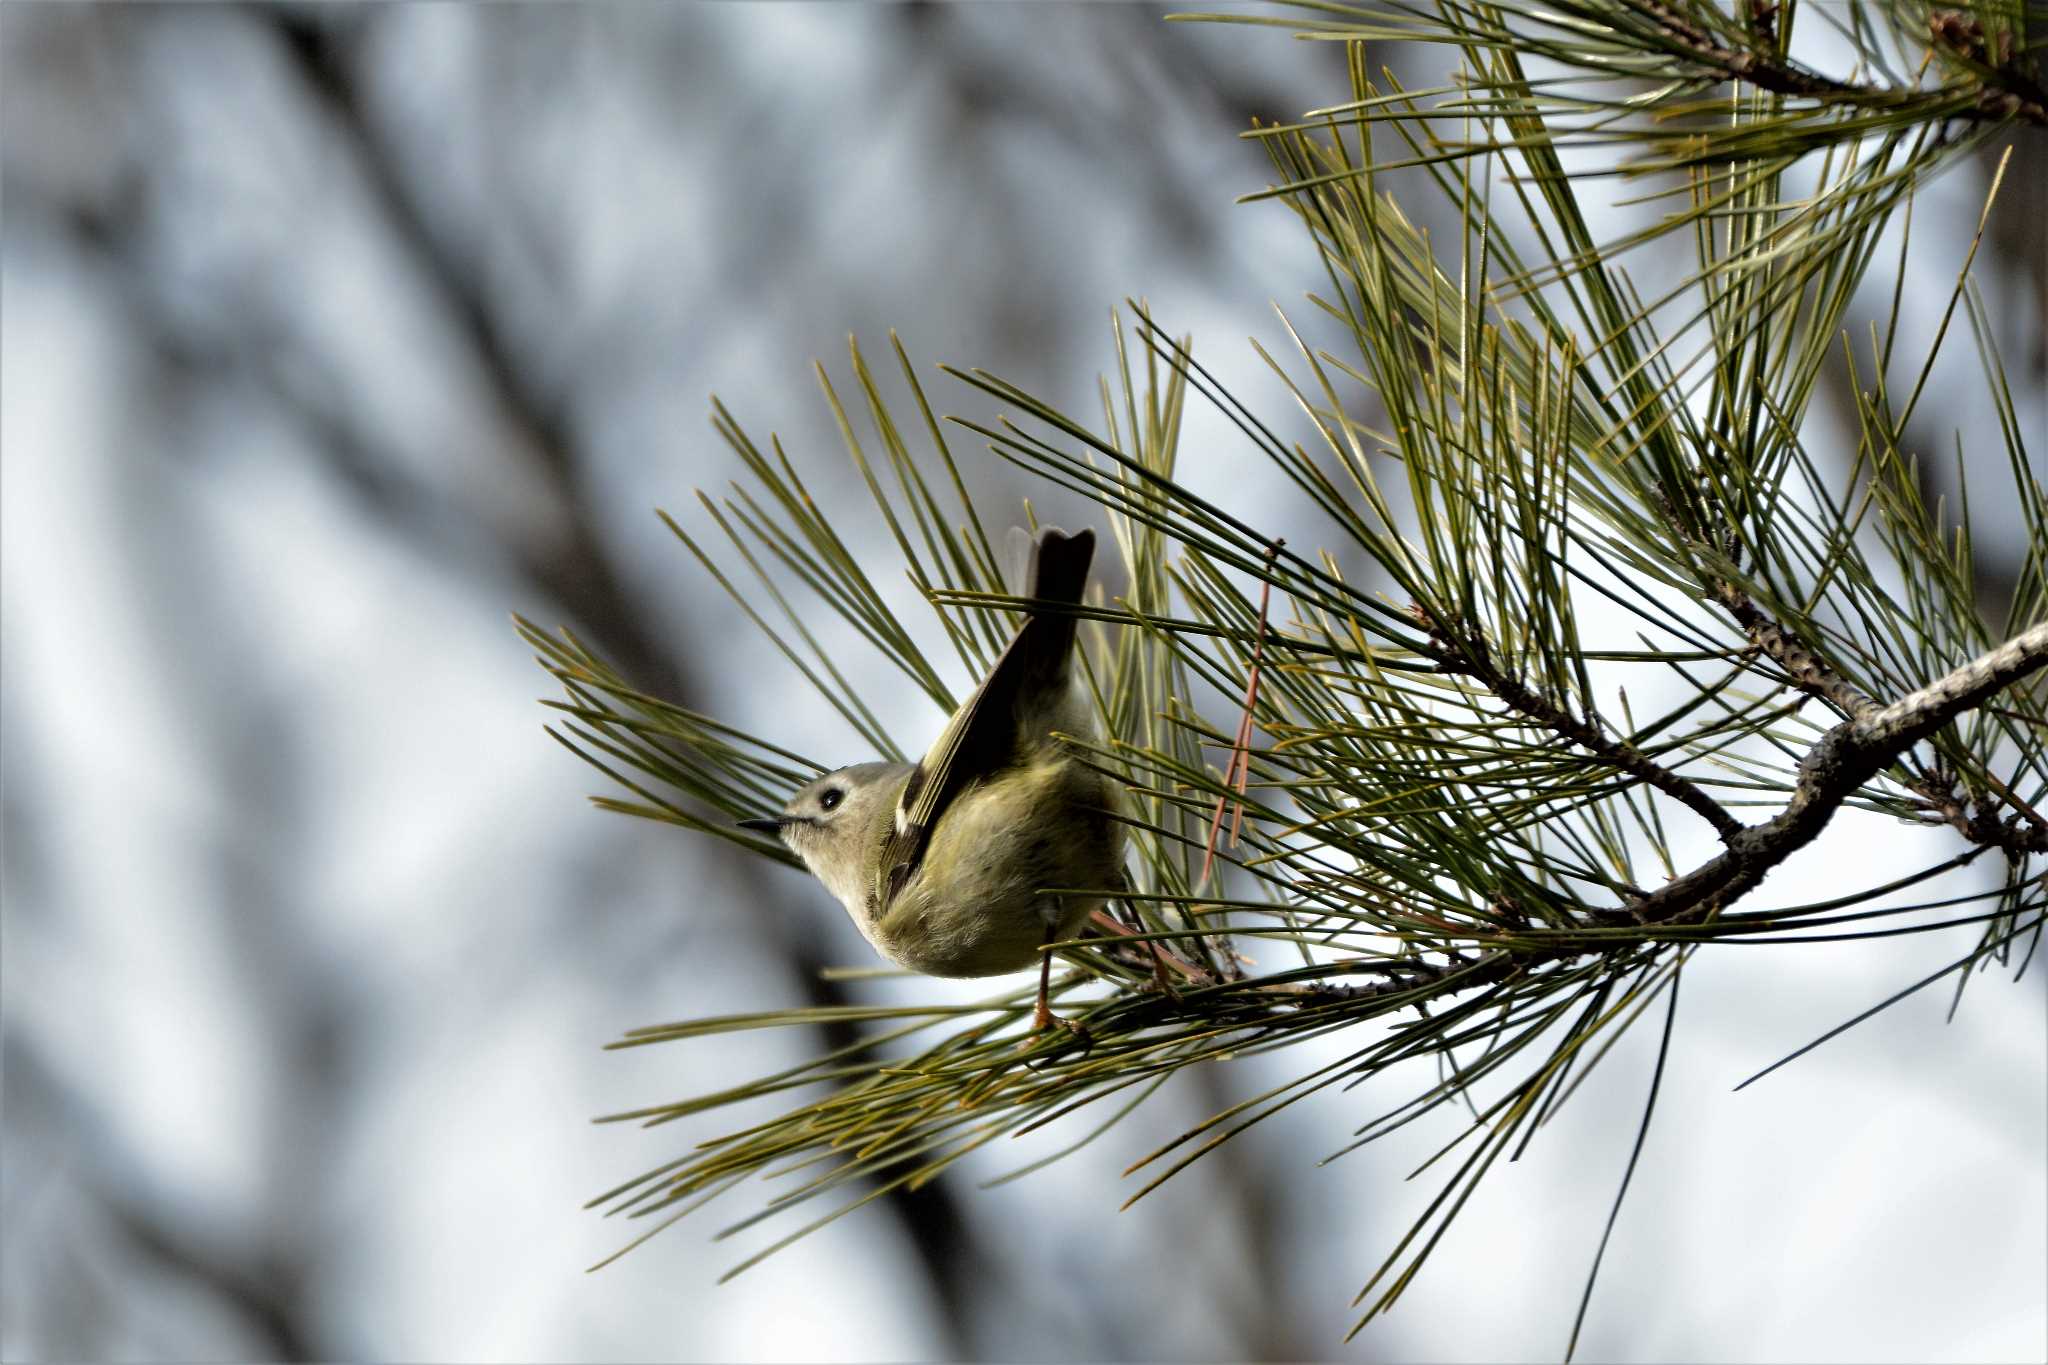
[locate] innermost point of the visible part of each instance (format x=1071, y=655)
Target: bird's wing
x=981, y=738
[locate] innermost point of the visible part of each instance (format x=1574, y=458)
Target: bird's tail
x=1059, y=565
x=1057, y=571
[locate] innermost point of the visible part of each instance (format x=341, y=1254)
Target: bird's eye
x=830, y=798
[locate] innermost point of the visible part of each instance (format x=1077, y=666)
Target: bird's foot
x=1042, y=1018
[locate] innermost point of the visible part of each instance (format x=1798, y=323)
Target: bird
x=1002, y=839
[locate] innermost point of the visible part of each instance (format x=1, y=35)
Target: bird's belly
x=992, y=937
x=976, y=905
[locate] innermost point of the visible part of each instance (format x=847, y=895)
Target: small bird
x=944, y=865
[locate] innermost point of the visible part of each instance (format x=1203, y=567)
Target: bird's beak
x=772, y=825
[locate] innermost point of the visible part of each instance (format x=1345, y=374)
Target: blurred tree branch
x=267, y=1293
x=571, y=566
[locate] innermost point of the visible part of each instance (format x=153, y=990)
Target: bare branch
x=1475, y=661
x=1979, y=821
x=1845, y=758
x=1806, y=669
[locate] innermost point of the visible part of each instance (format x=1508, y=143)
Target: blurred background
x=332, y=336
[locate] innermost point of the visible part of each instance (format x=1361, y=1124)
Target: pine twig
x=1844, y=759
x=1474, y=660
x=1764, y=70
x=1979, y=821
x=2007, y=90
x=1238, y=775
x=1803, y=667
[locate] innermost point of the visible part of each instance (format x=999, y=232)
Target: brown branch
x=1845, y=758
x=2017, y=802
x=2006, y=91
x=1766, y=71
x=1456, y=973
x=1250, y=1003
x=1979, y=821
x=1805, y=669
x=1404, y=975
x=1842, y=761
x=1473, y=659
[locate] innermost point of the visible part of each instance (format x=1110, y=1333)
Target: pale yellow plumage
x=945, y=866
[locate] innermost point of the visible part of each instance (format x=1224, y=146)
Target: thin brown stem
x=2018, y=803
x=1473, y=660
x=1238, y=775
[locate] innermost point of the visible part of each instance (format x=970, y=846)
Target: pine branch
x=1805, y=669
x=1980, y=822
x=1416, y=846
x=1845, y=758
x=2009, y=89
x=1757, y=66
x=1473, y=659
x=1837, y=765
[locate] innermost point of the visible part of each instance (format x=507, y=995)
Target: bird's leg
x=1042, y=1016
